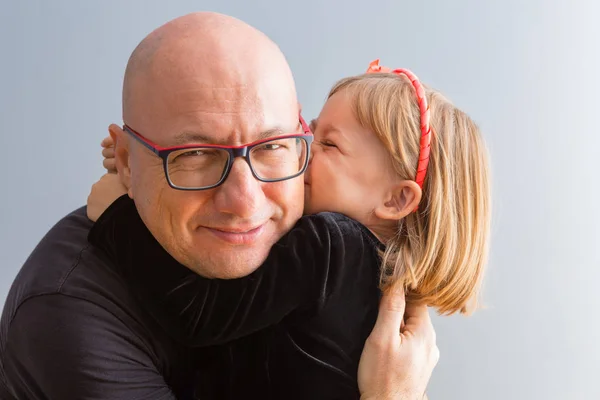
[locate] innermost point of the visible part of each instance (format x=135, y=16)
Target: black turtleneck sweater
x=118, y=318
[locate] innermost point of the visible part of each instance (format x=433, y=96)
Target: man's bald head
x=209, y=78
x=199, y=50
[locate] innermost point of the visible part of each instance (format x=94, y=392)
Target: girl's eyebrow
x=328, y=127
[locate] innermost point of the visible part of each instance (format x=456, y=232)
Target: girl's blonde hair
x=439, y=252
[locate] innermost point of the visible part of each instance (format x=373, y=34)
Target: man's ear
x=122, y=161
x=399, y=201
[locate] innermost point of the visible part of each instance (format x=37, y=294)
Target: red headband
x=374, y=67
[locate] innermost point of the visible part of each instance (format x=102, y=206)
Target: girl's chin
x=306, y=210
x=309, y=208
x=306, y=199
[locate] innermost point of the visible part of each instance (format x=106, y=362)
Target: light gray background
x=526, y=71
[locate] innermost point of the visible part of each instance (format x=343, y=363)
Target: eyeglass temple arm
x=141, y=140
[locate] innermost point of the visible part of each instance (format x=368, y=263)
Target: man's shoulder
x=68, y=280
x=55, y=256
x=64, y=262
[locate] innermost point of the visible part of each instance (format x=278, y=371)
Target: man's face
x=225, y=232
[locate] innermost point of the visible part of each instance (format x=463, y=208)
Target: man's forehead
x=181, y=109
x=191, y=137
x=195, y=117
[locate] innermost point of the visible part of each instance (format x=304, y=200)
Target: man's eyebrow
x=313, y=125
x=192, y=138
x=270, y=133
x=185, y=138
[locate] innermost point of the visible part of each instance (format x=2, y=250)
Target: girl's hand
x=103, y=194
x=108, y=152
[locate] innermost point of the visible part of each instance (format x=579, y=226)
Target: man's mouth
x=238, y=235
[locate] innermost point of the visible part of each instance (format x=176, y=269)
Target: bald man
x=78, y=325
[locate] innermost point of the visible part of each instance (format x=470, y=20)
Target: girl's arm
x=303, y=268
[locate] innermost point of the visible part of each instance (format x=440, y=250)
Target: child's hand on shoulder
x=109, y=187
x=103, y=194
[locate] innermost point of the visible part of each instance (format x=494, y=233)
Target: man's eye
x=272, y=146
x=193, y=153
x=328, y=143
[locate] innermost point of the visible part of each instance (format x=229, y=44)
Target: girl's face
x=350, y=169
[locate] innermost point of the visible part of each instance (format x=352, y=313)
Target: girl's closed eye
x=327, y=143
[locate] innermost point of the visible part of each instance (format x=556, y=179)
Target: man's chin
x=231, y=265
x=235, y=273
x=221, y=260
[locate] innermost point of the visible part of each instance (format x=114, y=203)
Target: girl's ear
x=402, y=199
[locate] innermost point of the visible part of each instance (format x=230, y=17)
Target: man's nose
x=241, y=194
